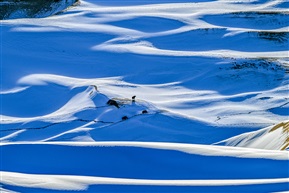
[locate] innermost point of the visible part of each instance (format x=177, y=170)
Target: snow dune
x=211, y=107
x=122, y=163
x=269, y=138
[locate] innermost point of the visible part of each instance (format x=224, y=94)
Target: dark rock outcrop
x=112, y=102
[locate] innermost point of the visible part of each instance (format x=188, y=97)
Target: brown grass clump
x=285, y=129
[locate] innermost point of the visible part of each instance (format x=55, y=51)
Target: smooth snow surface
x=211, y=109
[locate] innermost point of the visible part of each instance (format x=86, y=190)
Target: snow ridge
x=146, y=96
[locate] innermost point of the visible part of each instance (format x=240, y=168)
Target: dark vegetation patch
x=279, y=37
x=31, y=8
x=253, y=14
x=267, y=17
x=264, y=98
x=257, y=64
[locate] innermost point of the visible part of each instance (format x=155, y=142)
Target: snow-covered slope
x=203, y=72
x=141, y=167
x=273, y=137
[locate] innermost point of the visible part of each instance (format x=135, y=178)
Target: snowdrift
x=273, y=137
x=211, y=106
x=93, y=166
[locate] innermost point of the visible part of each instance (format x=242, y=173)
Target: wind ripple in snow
x=203, y=72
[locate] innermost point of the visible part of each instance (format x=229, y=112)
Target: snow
x=63, y=182
x=269, y=138
x=211, y=108
x=116, y=163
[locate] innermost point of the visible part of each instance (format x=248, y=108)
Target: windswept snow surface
x=203, y=72
x=269, y=138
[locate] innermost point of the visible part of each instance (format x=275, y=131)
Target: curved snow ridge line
x=96, y=28
x=72, y=82
x=65, y=112
x=68, y=182
x=146, y=48
x=184, y=12
x=205, y=150
x=224, y=6
x=272, y=137
x=2, y=190
x=13, y=90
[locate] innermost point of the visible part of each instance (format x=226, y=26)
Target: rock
x=124, y=118
x=112, y=102
x=133, y=98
